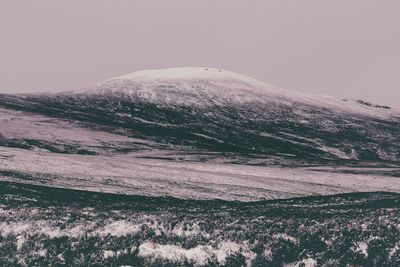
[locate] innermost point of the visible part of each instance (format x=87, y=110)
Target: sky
x=345, y=48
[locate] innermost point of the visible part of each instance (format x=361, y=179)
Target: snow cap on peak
x=196, y=85
x=187, y=73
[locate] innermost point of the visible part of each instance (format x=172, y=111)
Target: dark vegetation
x=342, y=230
x=249, y=131
x=369, y=104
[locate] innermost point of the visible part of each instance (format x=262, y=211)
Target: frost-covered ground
x=128, y=174
x=47, y=226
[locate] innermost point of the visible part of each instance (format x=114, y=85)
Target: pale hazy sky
x=345, y=48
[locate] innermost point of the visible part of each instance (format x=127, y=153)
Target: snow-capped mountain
x=203, y=114
x=197, y=167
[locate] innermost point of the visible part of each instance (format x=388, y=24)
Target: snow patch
x=199, y=256
x=362, y=247
x=108, y=254
x=120, y=228
x=286, y=237
x=309, y=262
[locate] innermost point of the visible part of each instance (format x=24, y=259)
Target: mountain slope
x=209, y=114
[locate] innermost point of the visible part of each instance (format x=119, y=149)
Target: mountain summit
x=200, y=85
x=188, y=74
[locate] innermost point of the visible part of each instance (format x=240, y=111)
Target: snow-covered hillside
x=134, y=175
x=195, y=86
x=205, y=114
